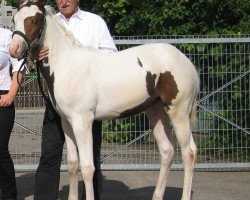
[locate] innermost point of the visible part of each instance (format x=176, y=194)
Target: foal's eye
x=35, y=21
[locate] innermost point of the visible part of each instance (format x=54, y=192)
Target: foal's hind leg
x=181, y=124
x=164, y=139
x=72, y=159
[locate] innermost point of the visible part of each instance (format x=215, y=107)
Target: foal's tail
x=193, y=111
x=193, y=114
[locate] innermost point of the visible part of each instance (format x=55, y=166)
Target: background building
x=6, y=15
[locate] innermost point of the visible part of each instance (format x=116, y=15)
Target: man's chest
x=85, y=33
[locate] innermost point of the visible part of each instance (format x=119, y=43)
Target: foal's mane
x=50, y=11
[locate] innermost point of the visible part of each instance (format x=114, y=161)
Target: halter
x=27, y=52
x=38, y=36
x=29, y=43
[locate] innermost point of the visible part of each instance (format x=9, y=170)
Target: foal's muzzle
x=26, y=53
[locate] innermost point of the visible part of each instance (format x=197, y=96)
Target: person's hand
x=43, y=53
x=6, y=100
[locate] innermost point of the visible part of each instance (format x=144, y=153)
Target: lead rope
x=26, y=54
x=19, y=70
x=40, y=86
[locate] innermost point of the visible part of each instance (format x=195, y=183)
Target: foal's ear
x=39, y=2
x=20, y=2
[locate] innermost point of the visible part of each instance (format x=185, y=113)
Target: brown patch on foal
x=33, y=25
x=150, y=83
x=165, y=91
x=167, y=88
x=139, y=62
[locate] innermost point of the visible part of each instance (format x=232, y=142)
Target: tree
x=13, y=3
x=170, y=17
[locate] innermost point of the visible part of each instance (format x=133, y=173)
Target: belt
x=3, y=92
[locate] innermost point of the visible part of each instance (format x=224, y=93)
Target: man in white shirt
x=91, y=31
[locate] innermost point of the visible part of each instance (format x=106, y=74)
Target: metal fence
x=223, y=128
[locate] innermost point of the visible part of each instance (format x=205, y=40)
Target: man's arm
x=106, y=41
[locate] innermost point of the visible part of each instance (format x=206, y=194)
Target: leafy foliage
x=170, y=17
x=118, y=130
x=13, y=3
x=126, y=129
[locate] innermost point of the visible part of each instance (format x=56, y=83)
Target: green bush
x=118, y=130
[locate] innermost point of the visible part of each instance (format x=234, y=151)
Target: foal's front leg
x=72, y=159
x=82, y=127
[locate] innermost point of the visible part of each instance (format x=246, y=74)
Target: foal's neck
x=56, y=40
x=53, y=37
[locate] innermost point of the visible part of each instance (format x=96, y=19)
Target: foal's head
x=29, y=23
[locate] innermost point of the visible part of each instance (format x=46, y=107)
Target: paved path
x=139, y=185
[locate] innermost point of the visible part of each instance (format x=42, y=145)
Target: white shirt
x=90, y=30
x=6, y=60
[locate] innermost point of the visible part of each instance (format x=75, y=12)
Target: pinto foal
x=88, y=85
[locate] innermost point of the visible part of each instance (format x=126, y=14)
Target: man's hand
x=6, y=100
x=43, y=53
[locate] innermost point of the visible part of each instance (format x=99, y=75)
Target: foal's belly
x=124, y=107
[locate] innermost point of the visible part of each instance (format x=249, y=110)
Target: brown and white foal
x=85, y=85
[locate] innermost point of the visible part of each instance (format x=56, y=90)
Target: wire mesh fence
x=223, y=126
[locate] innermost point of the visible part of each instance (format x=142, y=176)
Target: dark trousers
x=7, y=172
x=48, y=172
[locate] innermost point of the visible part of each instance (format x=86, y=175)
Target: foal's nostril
x=14, y=50
x=18, y=49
